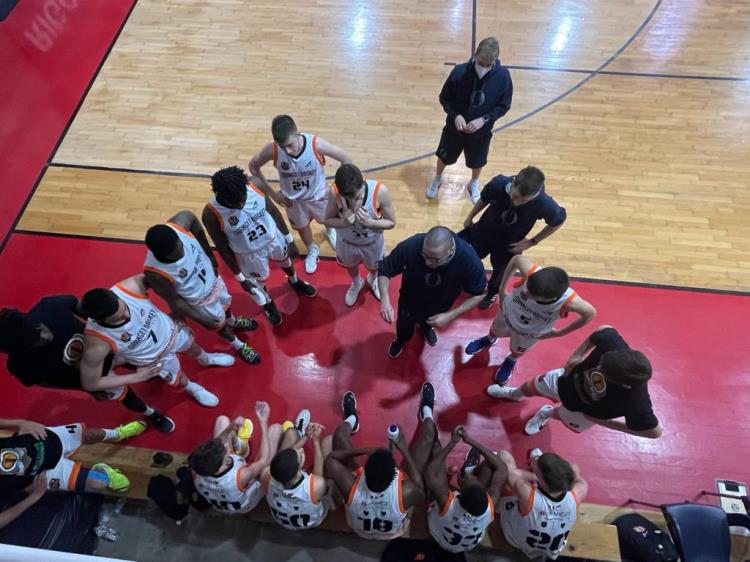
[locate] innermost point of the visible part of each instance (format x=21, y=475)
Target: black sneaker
x=272, y=313
x=487, y=301
x=472, y=459
x=248, y=354
x=304, y=288
x=349, y=407
x=161, y=422
x=244, y=324
x=427, y=398
x=430, y=336
x=395, y=349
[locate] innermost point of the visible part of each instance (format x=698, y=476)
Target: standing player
x=528, y=313
x=302, y=179
x=248, y=231
x=123, y=321
x=360, y=211
x=458, y=520
x=182, y=269
x=222, y=476
x=543, y=507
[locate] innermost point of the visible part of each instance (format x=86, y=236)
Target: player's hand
x=474, y=125
x=362, y=216
x=440, y=320
x=147, y=373
x=458, y=433
x=400, y=441
x=262, y=410
x=386, y=311
x=520, y=246
x=314, y=431
x=348, y=215
x=280, y=199
x=572, y=362
x=548, y=335
x=460, y=123
x=32, y=428
x=38, y=487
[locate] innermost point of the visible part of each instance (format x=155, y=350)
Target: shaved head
x=438, y=247
x=438, y=237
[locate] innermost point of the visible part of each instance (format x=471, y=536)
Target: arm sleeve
x=394, y=263
x=448, y=95
x=475, y=282
x=493, y=188
x=506, y=98
x=553, y=214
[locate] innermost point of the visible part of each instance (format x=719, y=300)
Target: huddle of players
x=536, y=508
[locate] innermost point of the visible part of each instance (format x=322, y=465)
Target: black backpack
x=164, y=492
x=642, y=541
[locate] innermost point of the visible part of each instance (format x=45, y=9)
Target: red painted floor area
x=695, y=341
x=48, y=53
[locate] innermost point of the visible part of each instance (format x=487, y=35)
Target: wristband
x=288, y=237
x=240, y=277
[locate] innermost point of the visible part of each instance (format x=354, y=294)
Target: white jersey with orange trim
x=379, y=516
x=541, y=527
x=224, y=492
x=454, y=528
x=247, y=229
x=192, y=275
x=296, y=508
x=528, y=317
x=148, y=334
x=356, y=234
x=303, y=176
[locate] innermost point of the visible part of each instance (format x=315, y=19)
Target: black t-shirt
x=426, y=291
x=496, y=227
x=46, y=365
x=578, y=394
x=44, y=454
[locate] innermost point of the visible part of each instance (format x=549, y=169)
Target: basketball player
x=457, y=520
x=298, y=500
x=183, y=271
x=360, y=211
x=543, y=507
x=123, y=321
x=45, y=346
x=300, y=159
x=36, y=455
x=380, y=496
x=240, y=220
x=528, y=313
x=222, y=476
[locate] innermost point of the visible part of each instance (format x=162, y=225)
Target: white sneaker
x=432, y=189
x=302, y=422
x=353, y=292
x=311, y=260
x=537, y=422
x=473, y=187
x=503, y=392
x=331, y=235
x=203, y=396
x=535, y=453
x=372, y=281
x=216, y=360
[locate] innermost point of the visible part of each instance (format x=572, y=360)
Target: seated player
x=528, y=313
x=298, y=500
x=300, y=160
x=380, y=496
x=610, y=382
x=457, y=520
x=360, y=211
x=222, y=476
x=123, y=321
x=537, y=515
x=182, y=269
x=36, y=458
x=45, y=346
x=248, y=231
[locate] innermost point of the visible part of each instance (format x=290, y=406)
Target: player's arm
x=335, y=152
x=475, y=210
x=410, y=466
x=582, y=350
x=180, y=307
x=586, y=313
x=519, y=481
x=24, y=426
x=391, y=265
x=188, y=221
x=435, y=475
x=387, y=218
x=618, y=425
x=254, y=469
x=256, y=163
x=580, y=486
x=35, y=491
x=333, y=217
x=95, y=351
x=499, y=468
x=220, y=239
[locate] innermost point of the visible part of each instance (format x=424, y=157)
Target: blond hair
x=488, y=49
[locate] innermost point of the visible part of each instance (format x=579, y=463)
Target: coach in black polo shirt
x=436, y=268
x=514, y=204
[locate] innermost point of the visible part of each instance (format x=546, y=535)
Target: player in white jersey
x=300, y=160
x=528, y=313
x=360, y=211
x=541, y=506
x=457, y=519
x=181, y=268
x=248, y=231
x=380, y=496
x=299, y=500
x=222, y=475
x=124, y=321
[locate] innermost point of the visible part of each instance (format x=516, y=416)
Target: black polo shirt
x=426, y=291
x=44, y=454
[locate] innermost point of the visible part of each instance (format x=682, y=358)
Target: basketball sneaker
x=372, y=281
x=302, y=422
x=331, y=235
x=311, y=259
x=201, y=395
x=118, y=482
x=248, y=354
x=215, y=360
x=432, y=188
x=430, y=335
x=244, y=324
x=426, y=399
x=475, y=346
x=505, y=392
x=537, y=422
x=349, y=408
x=487, y=302
x=272, y=313
x=129, y=430
x=162, y=423
x=473, y=187
x=353, y=292
x=395, y=349
x=503, y=373
x=303, y=288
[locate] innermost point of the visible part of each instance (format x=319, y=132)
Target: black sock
x=133, y=403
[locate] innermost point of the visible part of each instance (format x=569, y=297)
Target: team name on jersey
x=143, y=331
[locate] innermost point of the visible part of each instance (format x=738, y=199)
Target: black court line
x=65, y=130
x=128, y=170
x=628, y=73
x=473, y=28
x=115, y=239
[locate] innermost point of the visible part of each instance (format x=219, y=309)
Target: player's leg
x=317, y=210
x=544, y=385
x=448, y=150
x=185, y=343
x=426, y=432
x=341, y=472
x=499, y=259
x=278, y=252
x=404, y=331
x=475, y=153
x=519, y=345
x=172, y=373
x=498, y=329
x=242, y=349
x=300, y=218
x=371, y=255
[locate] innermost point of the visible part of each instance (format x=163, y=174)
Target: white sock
x=192, y=387
x=260, y=297
x=438, y=177
x=236, y=343
x=149, y=411
x=516, y=394
x=426, y=412
x=203, y=357
x=111, y=435
x=293, y=277
x=230, y=320
x=352, y=421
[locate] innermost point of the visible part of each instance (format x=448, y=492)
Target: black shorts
x=452, y=144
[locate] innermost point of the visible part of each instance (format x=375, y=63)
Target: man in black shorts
x=603, y=380
x=514, y=204
x=475, y=95
x=45, y=346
